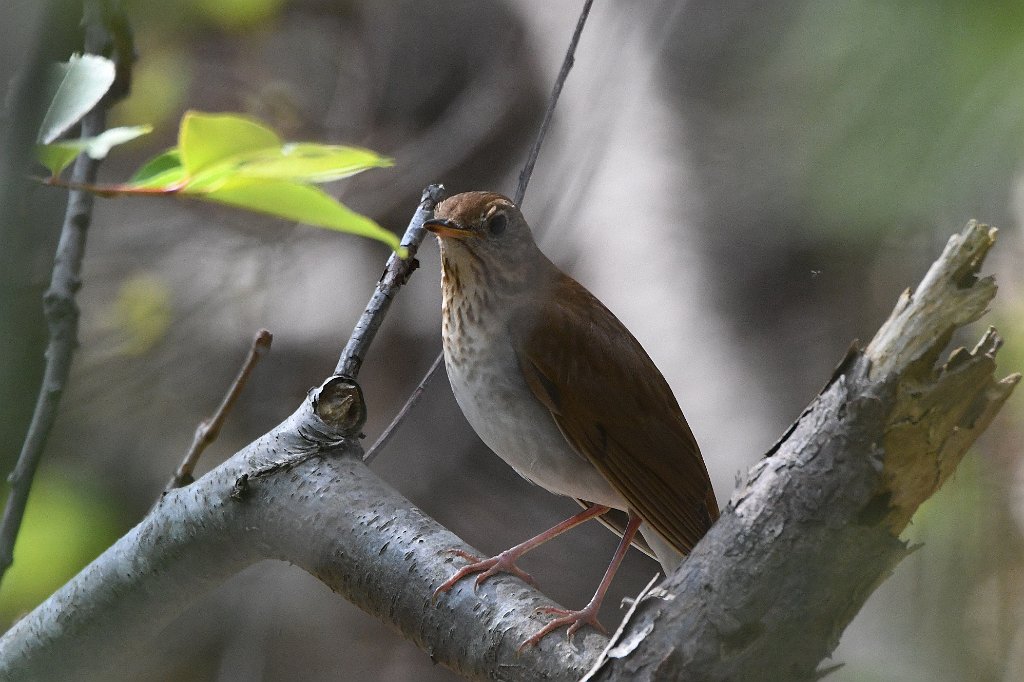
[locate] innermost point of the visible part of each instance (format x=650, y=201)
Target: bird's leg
x=506, y=561
x=588, y=614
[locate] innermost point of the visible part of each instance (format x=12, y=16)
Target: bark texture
x=814, y=528
x=765, y=595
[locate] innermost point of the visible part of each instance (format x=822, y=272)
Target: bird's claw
x=574, y=619
x=502, y=563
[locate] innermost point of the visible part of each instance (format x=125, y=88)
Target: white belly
x=517, y=427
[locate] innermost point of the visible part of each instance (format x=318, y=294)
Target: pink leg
x=588, y=614
x=506, y=561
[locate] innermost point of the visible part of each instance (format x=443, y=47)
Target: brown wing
x=613, y=406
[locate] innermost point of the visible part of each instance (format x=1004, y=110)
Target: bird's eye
x=497, y=223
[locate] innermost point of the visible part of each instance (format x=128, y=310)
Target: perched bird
x=559, y=389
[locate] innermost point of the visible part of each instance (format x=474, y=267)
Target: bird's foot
x=574, y=619
x=502, y=563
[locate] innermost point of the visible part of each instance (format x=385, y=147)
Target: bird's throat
x=467, y=308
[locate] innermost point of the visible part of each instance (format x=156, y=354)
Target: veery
x=560, y=390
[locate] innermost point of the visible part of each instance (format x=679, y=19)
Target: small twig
x=385, y=437
x=563, y=73
x=59, y=305
x=209, y=429
x=613, y=641
x=524, y=180
x=396, y=273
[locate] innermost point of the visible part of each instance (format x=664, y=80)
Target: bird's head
x=485, y=230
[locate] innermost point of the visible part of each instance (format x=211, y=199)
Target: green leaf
x=56, y=156
x=297, y=162
x=77, y=86
x=164, y=170
x=217, y=148
x=299, y=202
x=208, y=139
x=237, y=161
x=307, y=162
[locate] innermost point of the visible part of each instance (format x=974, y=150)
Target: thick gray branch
x=803, y=542
x=814, y=529
x=299, y=494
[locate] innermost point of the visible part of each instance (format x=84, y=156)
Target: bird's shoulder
x=576, y=339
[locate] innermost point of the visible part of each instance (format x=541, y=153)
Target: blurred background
x=748, y=186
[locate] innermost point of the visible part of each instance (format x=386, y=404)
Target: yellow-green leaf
x=235, y=160
x=208, y=139
x=299, y=202
x=57, y=155
x=161, y=171
x=308, y=162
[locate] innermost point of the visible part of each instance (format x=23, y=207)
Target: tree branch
x=414, y=397
x=814, y=529
x=549, y=113
x=209, y=429
x=328, y=514
x=765, y=595
x=356, y=534
x=60, y=307
x=396, y=273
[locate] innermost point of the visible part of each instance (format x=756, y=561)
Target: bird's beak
x=443, y=227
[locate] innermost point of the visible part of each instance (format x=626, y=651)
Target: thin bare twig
x=396, y=273
x=524, y=180
x=563, y=74
x=209, y=429
x=59, y=305
x=385, y=436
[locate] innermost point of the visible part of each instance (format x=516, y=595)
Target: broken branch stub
x=938, y=411
x=814, y=528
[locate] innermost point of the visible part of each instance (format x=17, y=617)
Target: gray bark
x=815, y=527
x=800, y=546
x=300, y=494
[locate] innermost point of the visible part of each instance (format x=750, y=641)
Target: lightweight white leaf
x=98, y=147
x=77, y=86
x=58, y=155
